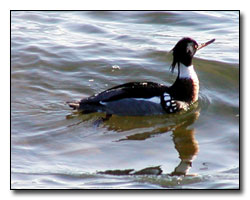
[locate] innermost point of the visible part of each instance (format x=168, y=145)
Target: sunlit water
x=62, y=56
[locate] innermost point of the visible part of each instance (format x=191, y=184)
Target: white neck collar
x=187, y=72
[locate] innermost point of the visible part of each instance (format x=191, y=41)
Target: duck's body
x=148, y=98
x=144, y=98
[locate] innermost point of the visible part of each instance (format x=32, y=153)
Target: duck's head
x=184, y=51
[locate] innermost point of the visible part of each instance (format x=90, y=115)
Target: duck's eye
x=196, y=46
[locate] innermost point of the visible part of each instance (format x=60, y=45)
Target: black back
x=128, y=90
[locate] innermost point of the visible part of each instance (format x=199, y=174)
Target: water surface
x=62, y=56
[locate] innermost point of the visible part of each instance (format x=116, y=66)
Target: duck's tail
x=74, y=104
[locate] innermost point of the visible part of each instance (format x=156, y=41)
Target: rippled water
x=61, y=56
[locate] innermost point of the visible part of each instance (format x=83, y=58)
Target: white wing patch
x=156, y=100
x=103, y=103
x=153, y=99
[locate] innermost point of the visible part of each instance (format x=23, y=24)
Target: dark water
x=61, y=56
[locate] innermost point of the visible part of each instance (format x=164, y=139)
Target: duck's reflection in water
x=186, y=145
x=184, y=141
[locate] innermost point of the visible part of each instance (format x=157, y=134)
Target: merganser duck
x=148, y=98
